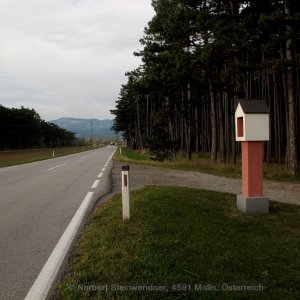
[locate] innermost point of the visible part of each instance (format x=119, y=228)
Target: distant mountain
x=83, y=128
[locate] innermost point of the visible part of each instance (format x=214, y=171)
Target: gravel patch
x=142, y=175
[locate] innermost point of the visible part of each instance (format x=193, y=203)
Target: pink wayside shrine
x=252, y=129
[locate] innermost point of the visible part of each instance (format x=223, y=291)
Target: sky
x=68, y=58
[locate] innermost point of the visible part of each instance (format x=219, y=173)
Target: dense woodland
x=23, y=128
x=198, y=58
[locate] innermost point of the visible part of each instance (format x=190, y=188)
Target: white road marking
x=95, y=184
x=56, y=167
x=100, y=175
x=103, y=169
x=44, y=281
x=111, y=155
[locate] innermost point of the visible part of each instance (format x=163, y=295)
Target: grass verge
x=202, y=163
x=16, y=157
x=199, y=163
x=185, y=241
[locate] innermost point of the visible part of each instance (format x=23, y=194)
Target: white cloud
x=68, y=57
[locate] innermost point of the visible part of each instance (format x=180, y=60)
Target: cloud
x=68, y=57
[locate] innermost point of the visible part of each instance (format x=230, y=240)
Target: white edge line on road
x=103, y=169
x=56, y=167
x=100, y=175
x=95, y=184
x=44, y=281
x=112, y=155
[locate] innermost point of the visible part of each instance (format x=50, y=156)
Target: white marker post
x=53, y=153
x=125, y=192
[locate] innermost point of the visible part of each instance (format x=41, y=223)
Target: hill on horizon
x=85, y=128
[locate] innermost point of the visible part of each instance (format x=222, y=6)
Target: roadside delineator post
x=125, y=192
x=53, y=153
x=252, y=129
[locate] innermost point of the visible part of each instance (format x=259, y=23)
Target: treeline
x=23, y=129
x=199, y=58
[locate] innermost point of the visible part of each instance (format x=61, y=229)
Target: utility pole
x=92, y=130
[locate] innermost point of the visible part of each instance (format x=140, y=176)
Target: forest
x=23, y=129
x=199, y=57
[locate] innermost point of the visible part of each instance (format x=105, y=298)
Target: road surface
x=37, y=203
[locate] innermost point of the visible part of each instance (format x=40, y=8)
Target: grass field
x=184, y=241
x=202, y=163
x=10, y=158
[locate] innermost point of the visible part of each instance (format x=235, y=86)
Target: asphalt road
x=37, y=202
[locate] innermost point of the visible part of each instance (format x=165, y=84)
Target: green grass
x=202, y=163
x=179, y=238
x=278, y=172
x=199, y=163
x=16, y=157
x=126, y=154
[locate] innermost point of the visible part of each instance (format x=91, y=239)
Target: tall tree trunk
x=147, y=119
x=197, y=133
x=277, y=121
x=213, y=116
x=221, y=129
x=188, y=124
x=268, y=98
x=182, y=123
x=138, y=123
x=292, y=141
x=227, y=126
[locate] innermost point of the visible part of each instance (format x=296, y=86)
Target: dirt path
x=141, y=175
